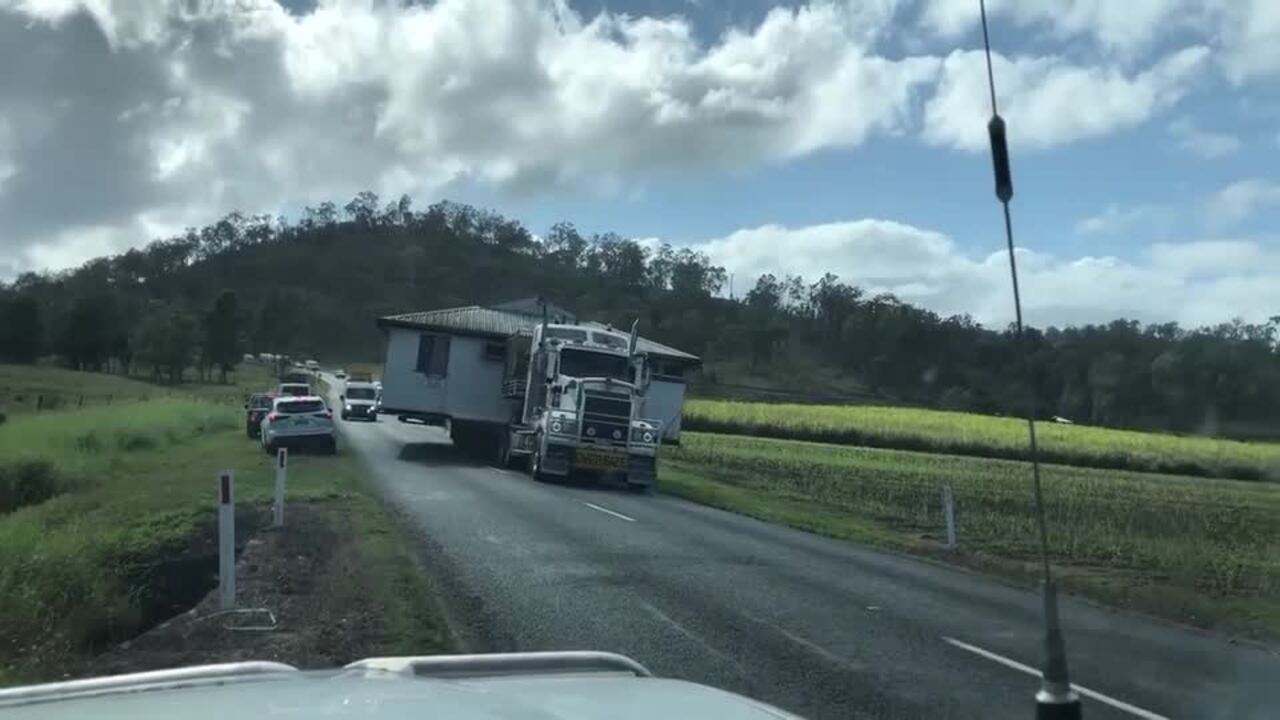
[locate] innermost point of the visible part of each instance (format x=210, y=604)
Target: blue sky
x=796, y=138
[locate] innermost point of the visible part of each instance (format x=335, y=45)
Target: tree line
x=313, y=286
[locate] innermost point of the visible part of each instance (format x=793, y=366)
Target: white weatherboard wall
x=472, y=390
x=664, y=400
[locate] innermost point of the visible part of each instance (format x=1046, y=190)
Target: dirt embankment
x=310, y=595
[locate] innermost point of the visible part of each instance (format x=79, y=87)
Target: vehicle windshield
x=298, y=407
x=586, y=363
x=899, y=317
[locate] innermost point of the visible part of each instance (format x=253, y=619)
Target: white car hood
x=387, y=696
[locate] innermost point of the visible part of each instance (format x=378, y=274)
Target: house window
x=433, y=355
x=495, y=351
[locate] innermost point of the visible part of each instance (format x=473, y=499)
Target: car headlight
x=347, y=407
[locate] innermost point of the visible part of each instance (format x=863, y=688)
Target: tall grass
x=1217, y=538
x=134, y=484
x=986, y=436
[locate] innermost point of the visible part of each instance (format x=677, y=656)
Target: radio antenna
x=1056, y=699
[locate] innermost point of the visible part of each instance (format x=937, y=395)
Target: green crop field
x=986, y=436
x=1205, y=550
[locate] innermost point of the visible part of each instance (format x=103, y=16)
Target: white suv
x=296, y=421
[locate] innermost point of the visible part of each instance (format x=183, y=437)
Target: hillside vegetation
x=314, y=286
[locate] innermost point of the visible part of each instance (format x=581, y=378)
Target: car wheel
x=269, y=448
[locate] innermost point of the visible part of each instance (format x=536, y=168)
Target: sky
x=843, y=136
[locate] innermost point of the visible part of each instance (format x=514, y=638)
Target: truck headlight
x=643, y=435
x=563, y=427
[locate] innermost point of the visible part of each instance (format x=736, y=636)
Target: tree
x=166, y=339
x=222, y=346
x=21, y=330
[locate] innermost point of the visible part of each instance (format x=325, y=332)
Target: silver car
x=304, y=421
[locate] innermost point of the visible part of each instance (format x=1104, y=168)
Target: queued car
x=256, y=407
x=340, y=374
x=294, y=389
x=298, y=421
x=359, y=400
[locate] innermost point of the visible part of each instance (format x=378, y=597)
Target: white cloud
x=151, y=107
x=1240, y=200
x=1117, y=220
x=1245, y=33
x=1125, y=27
x=1050, y=101
x=185, y=110
x=1194, y=283
x=1250, y=38
x=1204, y=143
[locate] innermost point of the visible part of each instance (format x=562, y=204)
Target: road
x=817, y=626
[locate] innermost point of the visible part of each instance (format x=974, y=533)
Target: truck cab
x=580, y=409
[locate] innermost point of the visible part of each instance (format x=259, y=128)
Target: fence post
x=949, y=513
x=39, y=402
x=80, y=402
x=226, y=540
x=282, y=469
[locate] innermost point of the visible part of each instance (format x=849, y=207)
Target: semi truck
x=552, y=398
x=580, y=393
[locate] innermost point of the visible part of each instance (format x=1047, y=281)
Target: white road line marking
x=1119, y=704
x=593, y=506
x=690, y=634
x=807, y=644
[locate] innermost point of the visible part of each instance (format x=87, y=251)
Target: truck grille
x=606, y=418
x=615, y=406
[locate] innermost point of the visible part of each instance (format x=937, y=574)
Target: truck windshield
x=585, y=363
x=361, y=393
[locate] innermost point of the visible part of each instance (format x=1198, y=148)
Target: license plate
x=601, y=460
x=301, y=421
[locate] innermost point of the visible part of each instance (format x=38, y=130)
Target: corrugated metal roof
x=471, y=319
x=477, y=320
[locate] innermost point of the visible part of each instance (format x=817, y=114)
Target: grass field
x=1202, y=550
x=94, y=500
x=986, y=436
x=26, y=388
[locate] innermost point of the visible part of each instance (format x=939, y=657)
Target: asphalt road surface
x=817, y=626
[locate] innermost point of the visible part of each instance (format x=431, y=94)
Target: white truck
x=553, y=397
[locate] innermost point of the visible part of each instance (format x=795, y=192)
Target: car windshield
x=296, y=407
x=587, y=363
x=802, y=347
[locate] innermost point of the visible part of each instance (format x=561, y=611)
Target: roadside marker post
x=282, y=470
x=226, y=540
x=949, y=512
